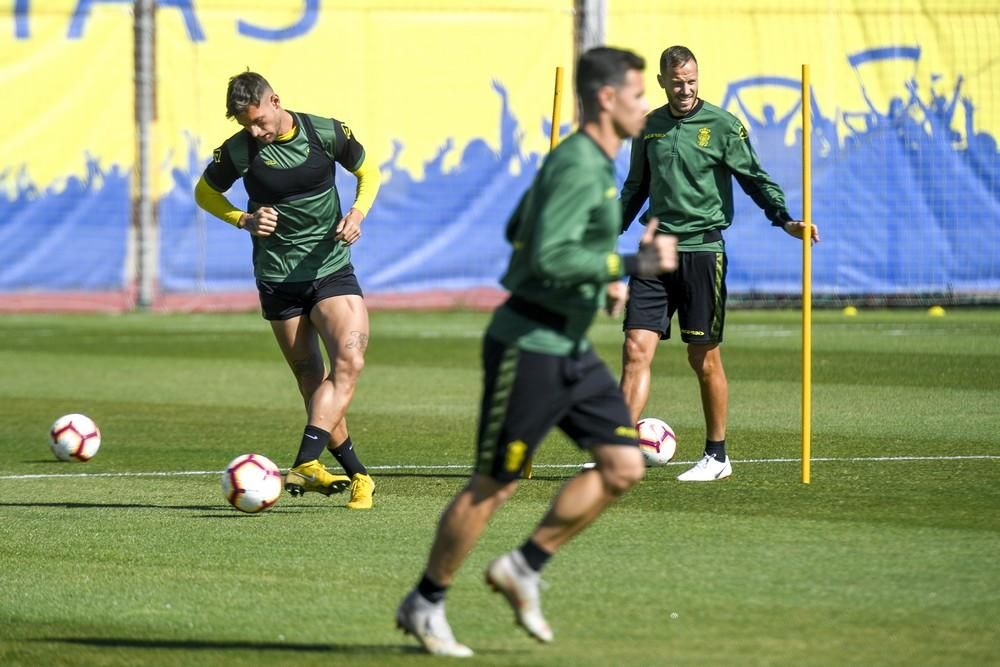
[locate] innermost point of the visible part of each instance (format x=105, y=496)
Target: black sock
x=716, y=449
x=535, y=555
x=314, y=440
x=431, y=591
x=347, y=458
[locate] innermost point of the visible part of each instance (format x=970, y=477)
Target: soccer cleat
x=312, y=476
x=426, y=621
x=510, y=574
x=362, y=490
x=707, y=469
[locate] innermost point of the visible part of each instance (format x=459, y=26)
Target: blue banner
x=905, y=173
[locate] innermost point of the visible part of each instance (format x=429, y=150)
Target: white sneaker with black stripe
x=510, y=575
x=708, y=469
x=427, y=622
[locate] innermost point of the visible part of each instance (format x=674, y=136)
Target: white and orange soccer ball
x=251, y=483
x=74, y=437
x=656, y=440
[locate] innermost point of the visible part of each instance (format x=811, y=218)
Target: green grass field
x=889, y=557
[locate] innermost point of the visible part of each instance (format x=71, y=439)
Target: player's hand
x=261, y=222
x=349, y=227
x=616, y=298
x=657, y=252
x=796, y=228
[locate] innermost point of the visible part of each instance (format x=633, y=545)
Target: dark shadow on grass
x=230, y=514
x=69, y=505
x=216, y=511
x=208, y=645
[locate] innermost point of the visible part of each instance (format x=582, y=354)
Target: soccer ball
x=251, y=483
x=656, y=440
x=74, y=437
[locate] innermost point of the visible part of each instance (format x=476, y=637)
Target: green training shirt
x=296, y=177
x=685, y=167
x=564, y=232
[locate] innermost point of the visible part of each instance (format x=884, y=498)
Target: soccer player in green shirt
x=684, y=163
x=302, y=262
x=540, y=370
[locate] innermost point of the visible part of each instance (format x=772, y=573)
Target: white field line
x=553, y=466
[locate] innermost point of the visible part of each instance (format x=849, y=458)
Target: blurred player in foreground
x=302, y=262
x=540, y=370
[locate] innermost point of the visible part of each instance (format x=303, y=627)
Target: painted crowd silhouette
x=893, y=187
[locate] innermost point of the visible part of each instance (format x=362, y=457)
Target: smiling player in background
x=684, y=164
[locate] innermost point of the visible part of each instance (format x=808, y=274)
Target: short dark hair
x=675, y=56
x=245, y=89
x=599, y=67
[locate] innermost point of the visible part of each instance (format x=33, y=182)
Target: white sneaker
x=510, y=574
x=426, y=621
x=707, y=469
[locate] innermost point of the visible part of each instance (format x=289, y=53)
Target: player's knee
x=637, y=354
x=350, y=363
x=622, y=476
x=494, y=492
x=704, y=359
x=504, y=493
x=635, y=471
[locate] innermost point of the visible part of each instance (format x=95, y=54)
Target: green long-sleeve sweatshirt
x=564, y=232
x=686, y=166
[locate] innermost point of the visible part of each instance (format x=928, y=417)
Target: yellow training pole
x=556, y=103
x=806, y=276
x=553, y=140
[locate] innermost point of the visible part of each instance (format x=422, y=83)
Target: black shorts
x=696, y=291
x=283, y=301
x=525, y=394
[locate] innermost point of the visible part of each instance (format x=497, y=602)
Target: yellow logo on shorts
x=627, y=432
x=217, y=156
x=704, y=136
x=515, y=455
x=692, y=332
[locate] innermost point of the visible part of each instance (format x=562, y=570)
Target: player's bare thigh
x=342, y=323
x=296, y=337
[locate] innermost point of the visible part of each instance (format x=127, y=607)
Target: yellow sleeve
x=216, y=203
x=369, y=180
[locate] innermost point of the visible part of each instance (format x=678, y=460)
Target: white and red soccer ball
x=74, y=437
x=251, y=483
x=656, y=441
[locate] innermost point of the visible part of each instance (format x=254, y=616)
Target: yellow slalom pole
x=556, y=103
x=806, y=277
x=553, y=140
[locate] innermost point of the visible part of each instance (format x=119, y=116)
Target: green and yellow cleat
x=312, y=476
x=362, y=490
